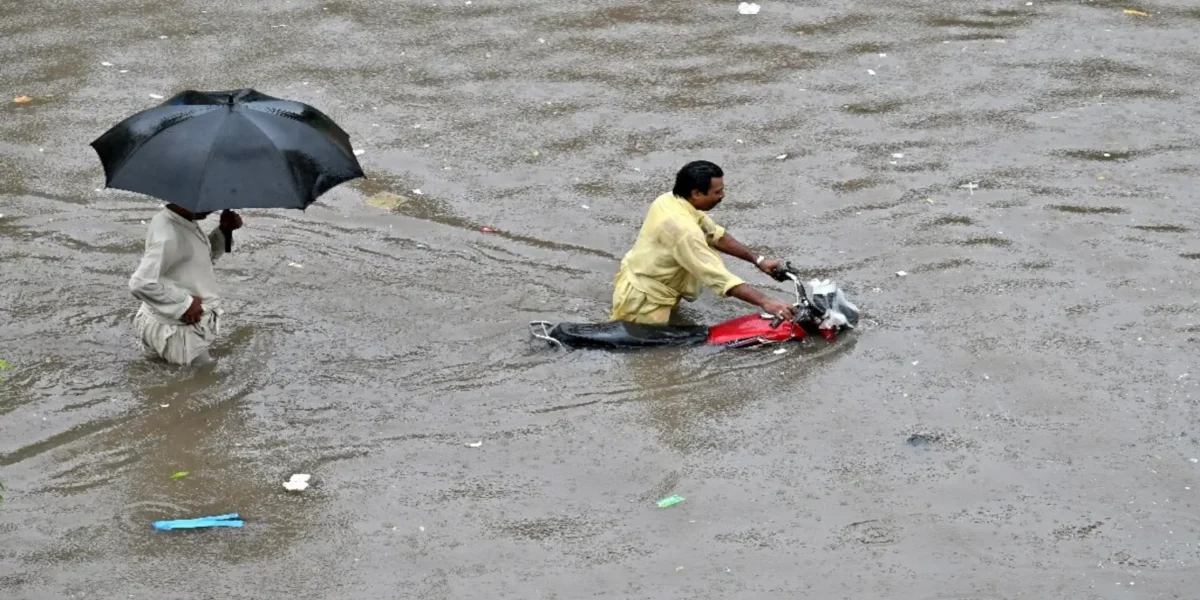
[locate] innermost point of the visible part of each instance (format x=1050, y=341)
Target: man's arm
x=729, y=245
x=145, y=283
x=218, y=241
x=702, y=262
x=779, y=308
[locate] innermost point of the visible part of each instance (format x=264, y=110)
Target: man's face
x=714, y=196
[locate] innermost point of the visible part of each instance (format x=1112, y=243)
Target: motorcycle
x=821, y=309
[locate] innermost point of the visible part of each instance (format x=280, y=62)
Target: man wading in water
x=674, y=254
x=181, y=310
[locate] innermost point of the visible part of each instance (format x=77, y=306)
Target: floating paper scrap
x=475, y=444
x=748, y=8
x=295, y=264
x=418, y=191
x=781, y=157
x=870, y=71
x=297, y=483
x=359, y=152
x=106, y=64
x=156, y=96
x=901, y=273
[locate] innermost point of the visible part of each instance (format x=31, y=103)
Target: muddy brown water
x=1017, y=420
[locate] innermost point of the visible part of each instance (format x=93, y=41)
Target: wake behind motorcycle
x=821, y=309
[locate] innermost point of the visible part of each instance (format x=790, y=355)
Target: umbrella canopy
x=210, y=151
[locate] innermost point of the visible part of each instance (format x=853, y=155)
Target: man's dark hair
x=696, y=176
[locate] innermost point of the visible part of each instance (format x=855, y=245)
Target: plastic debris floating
x=748, y=8
x=297, y=483
x=229, y=520
x=670, y=501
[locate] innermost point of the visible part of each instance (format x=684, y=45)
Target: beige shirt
x=177, y=264
x=673, y=254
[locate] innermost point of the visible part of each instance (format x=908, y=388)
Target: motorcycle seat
x=621, y=334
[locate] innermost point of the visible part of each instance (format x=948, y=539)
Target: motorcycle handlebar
x=785, y=272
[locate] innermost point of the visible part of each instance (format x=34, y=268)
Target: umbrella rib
x=207, y=157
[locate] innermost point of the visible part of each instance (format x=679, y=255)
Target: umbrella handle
x=228, y=235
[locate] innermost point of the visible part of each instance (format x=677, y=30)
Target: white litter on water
x=418, y=192
x=781, y=157
x=359, y=152
x=748, y=8
x=295, y=264
x=898, y=155
x=585, y=207
x=297, y=483
x=106, y=64
x=475, y=444
x=780, y=351
x=156, y=96
x=901, y=273
x=870, y=71
x=883, y=55
x=916, y=362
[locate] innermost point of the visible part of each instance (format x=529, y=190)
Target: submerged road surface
x=1016, y=419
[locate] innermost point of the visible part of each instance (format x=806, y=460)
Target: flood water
x=1016, y=418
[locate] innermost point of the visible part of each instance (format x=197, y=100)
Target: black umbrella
x=210, y=151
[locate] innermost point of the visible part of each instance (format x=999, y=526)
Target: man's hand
x=192, y=315
x=768, y=265
x=779, y=308
x=231, y=221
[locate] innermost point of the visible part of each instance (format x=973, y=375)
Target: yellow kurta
x=671, y=259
